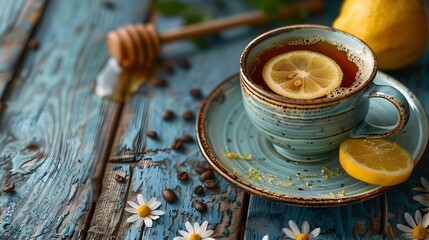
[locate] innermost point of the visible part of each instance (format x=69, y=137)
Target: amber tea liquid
x=348, y=67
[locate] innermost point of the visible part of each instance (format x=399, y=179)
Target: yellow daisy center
x=143, y=210
x=302, y=236
x=195, y=236
x=419, y=232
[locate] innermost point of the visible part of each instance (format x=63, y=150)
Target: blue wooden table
x=70, y=160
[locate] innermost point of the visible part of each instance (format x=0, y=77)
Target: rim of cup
x=281, y=100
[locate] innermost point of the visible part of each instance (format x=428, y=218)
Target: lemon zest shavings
x=234, y=155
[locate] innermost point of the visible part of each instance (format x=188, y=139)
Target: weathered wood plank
x=54, y=128
x=17, y=21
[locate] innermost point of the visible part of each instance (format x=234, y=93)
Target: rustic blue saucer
x=234, y=149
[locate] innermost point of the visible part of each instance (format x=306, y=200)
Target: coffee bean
x=167, y=115
x=207, y=175
x=168, y=69
x=151, y=134
x=199, y=190
x=119, y=178
x=33, y=44
x=183, y=176
x=196, y=93
x=169, y=195
x=177, y=144
x=158, y=82
x=210, y=183
x=8, y=188
x=188, y=115
x=200, y=206
x=187, y=139
x=200, y=169
x=183, y=63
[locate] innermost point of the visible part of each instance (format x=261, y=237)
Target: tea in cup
x=307, y=88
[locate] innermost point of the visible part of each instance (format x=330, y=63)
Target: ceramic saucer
x=234, y=149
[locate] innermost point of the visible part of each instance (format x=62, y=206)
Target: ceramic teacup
x=309, y=130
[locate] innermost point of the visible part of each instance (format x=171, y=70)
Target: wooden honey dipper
x=140, y=44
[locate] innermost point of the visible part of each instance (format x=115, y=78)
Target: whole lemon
x=395, y=30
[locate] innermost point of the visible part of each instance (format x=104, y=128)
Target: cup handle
x=391, y=94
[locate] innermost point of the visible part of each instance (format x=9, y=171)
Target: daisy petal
x=180, y=238
x=157, y=212
x=425, y=183
x=265, y=237
x=404, y=228
x=425, y=220
x=204, y=225
x=133, y=204
x=419, y=189
x=289, y=233
x=305, y=227
x=185, y=234
x=140, y=199
x=152, y=200
x=206, y=233
x=148, y=222
x=154, y=205
x=408, y=235
x=418, y=217
x=153, y=217
x=209, y=239
x=131, y=210
x=315, y=232
x=139, y=222
x=197, y=227
x=133, y=218
x=189, y=227
x=409, y=220
x=294, y=227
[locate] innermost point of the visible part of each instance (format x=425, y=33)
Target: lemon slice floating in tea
x=302, y=74
x=377, y=161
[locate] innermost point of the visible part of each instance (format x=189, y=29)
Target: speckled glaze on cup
x=308, y=130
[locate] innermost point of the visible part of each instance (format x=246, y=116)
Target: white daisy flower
x=423, y=199
x=418, y=229
x=196, y=232
x=304, y=234
x=425, y=187
x=144, y=211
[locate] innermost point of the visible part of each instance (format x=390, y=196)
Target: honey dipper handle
x=252, y=18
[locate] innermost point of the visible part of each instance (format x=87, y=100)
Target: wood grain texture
x=17, y=21
x=155, y=164
x=54, y=129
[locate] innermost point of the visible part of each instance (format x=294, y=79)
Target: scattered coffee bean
x=199, y=190
x=183, y=176
x=188, y=115
x=151, y=134
x=109, y=5
x=187, y=139
x=119, y=178
x=169, y=195
x=8, y=188
x=158, y=82
x=183, y=63
x=196, y=93
x=210, y=183
x=168, y=69
x=207, y=175
x=200, y=169
x=200, y=206
x=33, y=43
x=167, y=115
x=32, y=147
x=177, y=144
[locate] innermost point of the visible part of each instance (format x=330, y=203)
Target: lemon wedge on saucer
x=302, y=74
x=376, y=161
